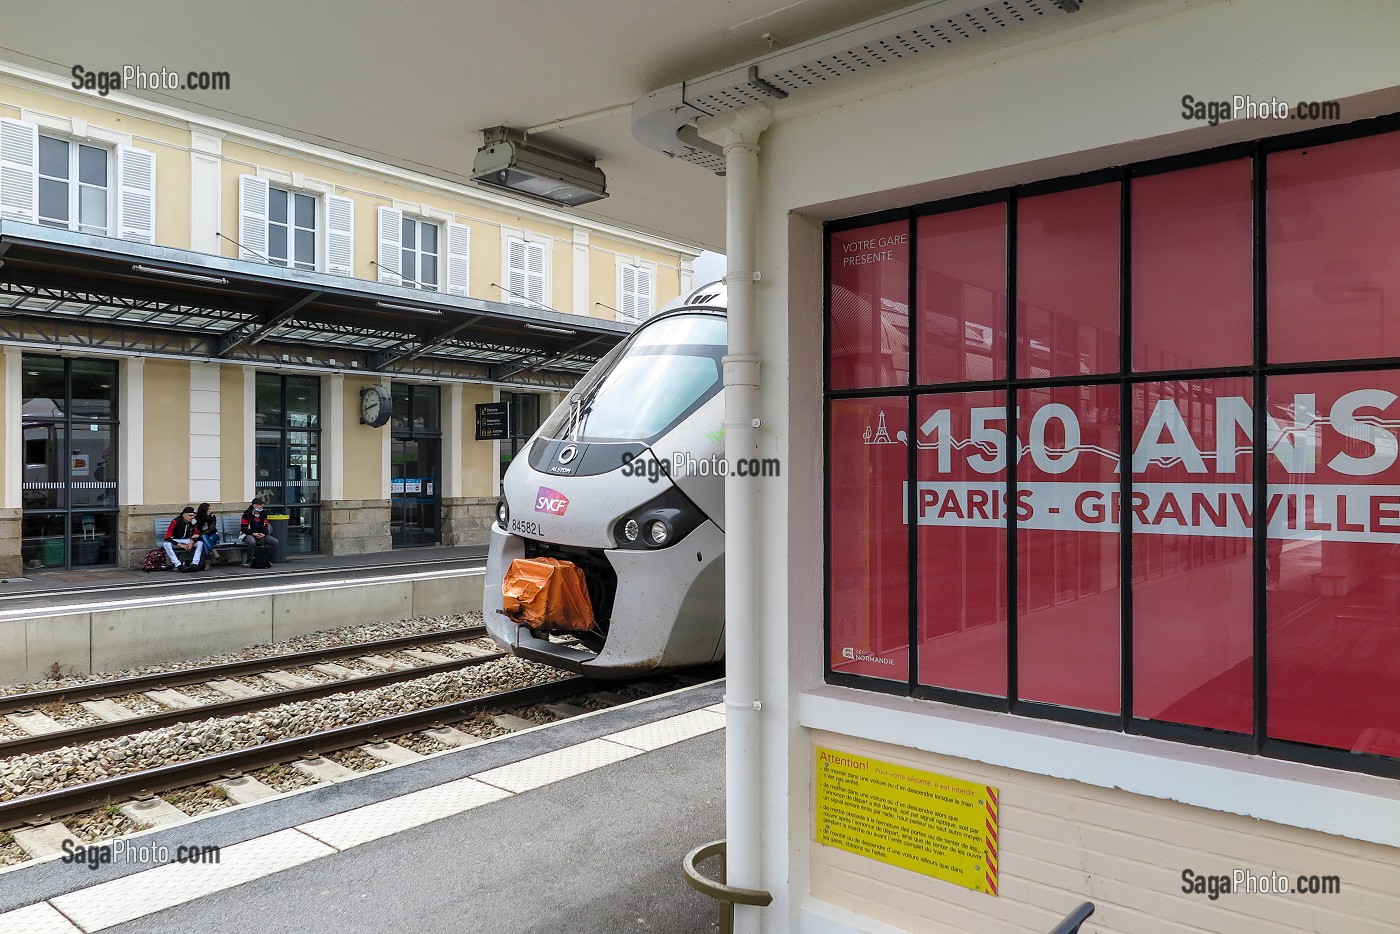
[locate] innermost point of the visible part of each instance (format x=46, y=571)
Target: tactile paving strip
x=42, y=918
x=557, y=765
x=411, y=810
x=651, y=736
x=121, y=900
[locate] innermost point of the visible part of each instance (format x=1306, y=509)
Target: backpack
x=263, y=552
x=155, y=560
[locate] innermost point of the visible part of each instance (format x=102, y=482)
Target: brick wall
x=1063, y=842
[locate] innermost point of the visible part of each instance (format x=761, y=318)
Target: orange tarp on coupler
x=547, y=595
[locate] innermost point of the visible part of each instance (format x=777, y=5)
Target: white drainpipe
x=743, y=731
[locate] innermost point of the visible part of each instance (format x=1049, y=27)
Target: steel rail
x=99, y=690
x=50, y=805
x=107, y=729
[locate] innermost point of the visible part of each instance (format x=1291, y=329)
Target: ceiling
x=413, y=82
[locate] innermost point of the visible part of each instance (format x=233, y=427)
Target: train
x=624, y=481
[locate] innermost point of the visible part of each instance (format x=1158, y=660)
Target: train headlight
x=658, y=532
x=503, y=514
x=630, y=530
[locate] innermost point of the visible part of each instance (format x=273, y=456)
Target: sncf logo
x=551, y=501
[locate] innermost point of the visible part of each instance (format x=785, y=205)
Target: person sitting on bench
x=256, y=530
x=182, y=544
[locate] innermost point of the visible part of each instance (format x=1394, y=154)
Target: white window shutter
x=627, y=293
x=535, y=271
x=136, y=194
x=519, y=284
x=459, y=243
x=340, y=236
x=19, y=170
x=643, y=292
x=390, y=245
x=252, y=218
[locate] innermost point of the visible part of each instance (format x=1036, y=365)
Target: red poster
x=869, y=300
x=1067, y=559
x=960, y=505
x=1334, y=560
x=867, y=538
x=1193, y=555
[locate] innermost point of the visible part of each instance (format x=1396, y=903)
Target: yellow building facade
x=193, y=311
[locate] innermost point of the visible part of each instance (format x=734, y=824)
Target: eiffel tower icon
x=882, y=436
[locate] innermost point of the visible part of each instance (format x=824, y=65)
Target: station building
x=1081, y=580
x=196, y=311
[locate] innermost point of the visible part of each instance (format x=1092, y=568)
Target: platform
x=77, y=622
x=578, y=826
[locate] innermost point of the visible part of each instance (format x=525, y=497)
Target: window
x=418, y=263
x=291, y=229
x=635, y=294
x=525, y=261
x=1196, y=537
x=288, y=228
x=75, y=189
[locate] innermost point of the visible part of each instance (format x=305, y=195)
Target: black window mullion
x=911, y=447
x=1261, y=451
x=1012, y=458
x=1125, y=457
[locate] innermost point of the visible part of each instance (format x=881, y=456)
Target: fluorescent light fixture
x=507, y=160
x=193, y=277
x=545, y=327
x=422, y=311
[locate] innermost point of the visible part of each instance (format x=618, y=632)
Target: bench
x=230, y=535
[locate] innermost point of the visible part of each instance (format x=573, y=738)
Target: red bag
x=155, y=560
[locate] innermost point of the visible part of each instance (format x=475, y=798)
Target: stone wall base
x=466, y=520
x=355, y=526
x=11, y=539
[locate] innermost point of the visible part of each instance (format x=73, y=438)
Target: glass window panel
x=961, y=508
x=92, y=465
x=303, y=401
x=53, y=157
x=429, y=238
x=306, y=211
x=1333, y=576
x=45, y=465
x=277, y=206
x=962, y=295
x=94, y=538
x=1193, y=556
x=407, y=267
x=869, y=304
x=409, y=239
x=269, y=466
x=426, y=405
x=429, y=276
x=268, y=395
x=277, y=242
x=303, y=467
x=1331, y=244
x=42, y=386
x=92, y=166
x=1067, y=547
x=94, y=389
x=1067, y=263
x=403, y=395
x=92, y=207
x=43, y=542
x=53, y=200
x=867, y=539
x=1192, y=268
x=306, y=247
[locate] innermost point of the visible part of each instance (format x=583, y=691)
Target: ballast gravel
x=181, y=742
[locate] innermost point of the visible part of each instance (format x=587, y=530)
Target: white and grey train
x=598, y=485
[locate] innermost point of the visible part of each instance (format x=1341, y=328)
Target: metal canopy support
x=387, y=358
x=255, y=334
x=545, y=358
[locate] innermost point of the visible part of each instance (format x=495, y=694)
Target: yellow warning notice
x=916, y=820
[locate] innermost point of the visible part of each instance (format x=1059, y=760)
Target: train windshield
x=665, y=372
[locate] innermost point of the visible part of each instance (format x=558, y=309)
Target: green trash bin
x=53, y=551
x=278, y=525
